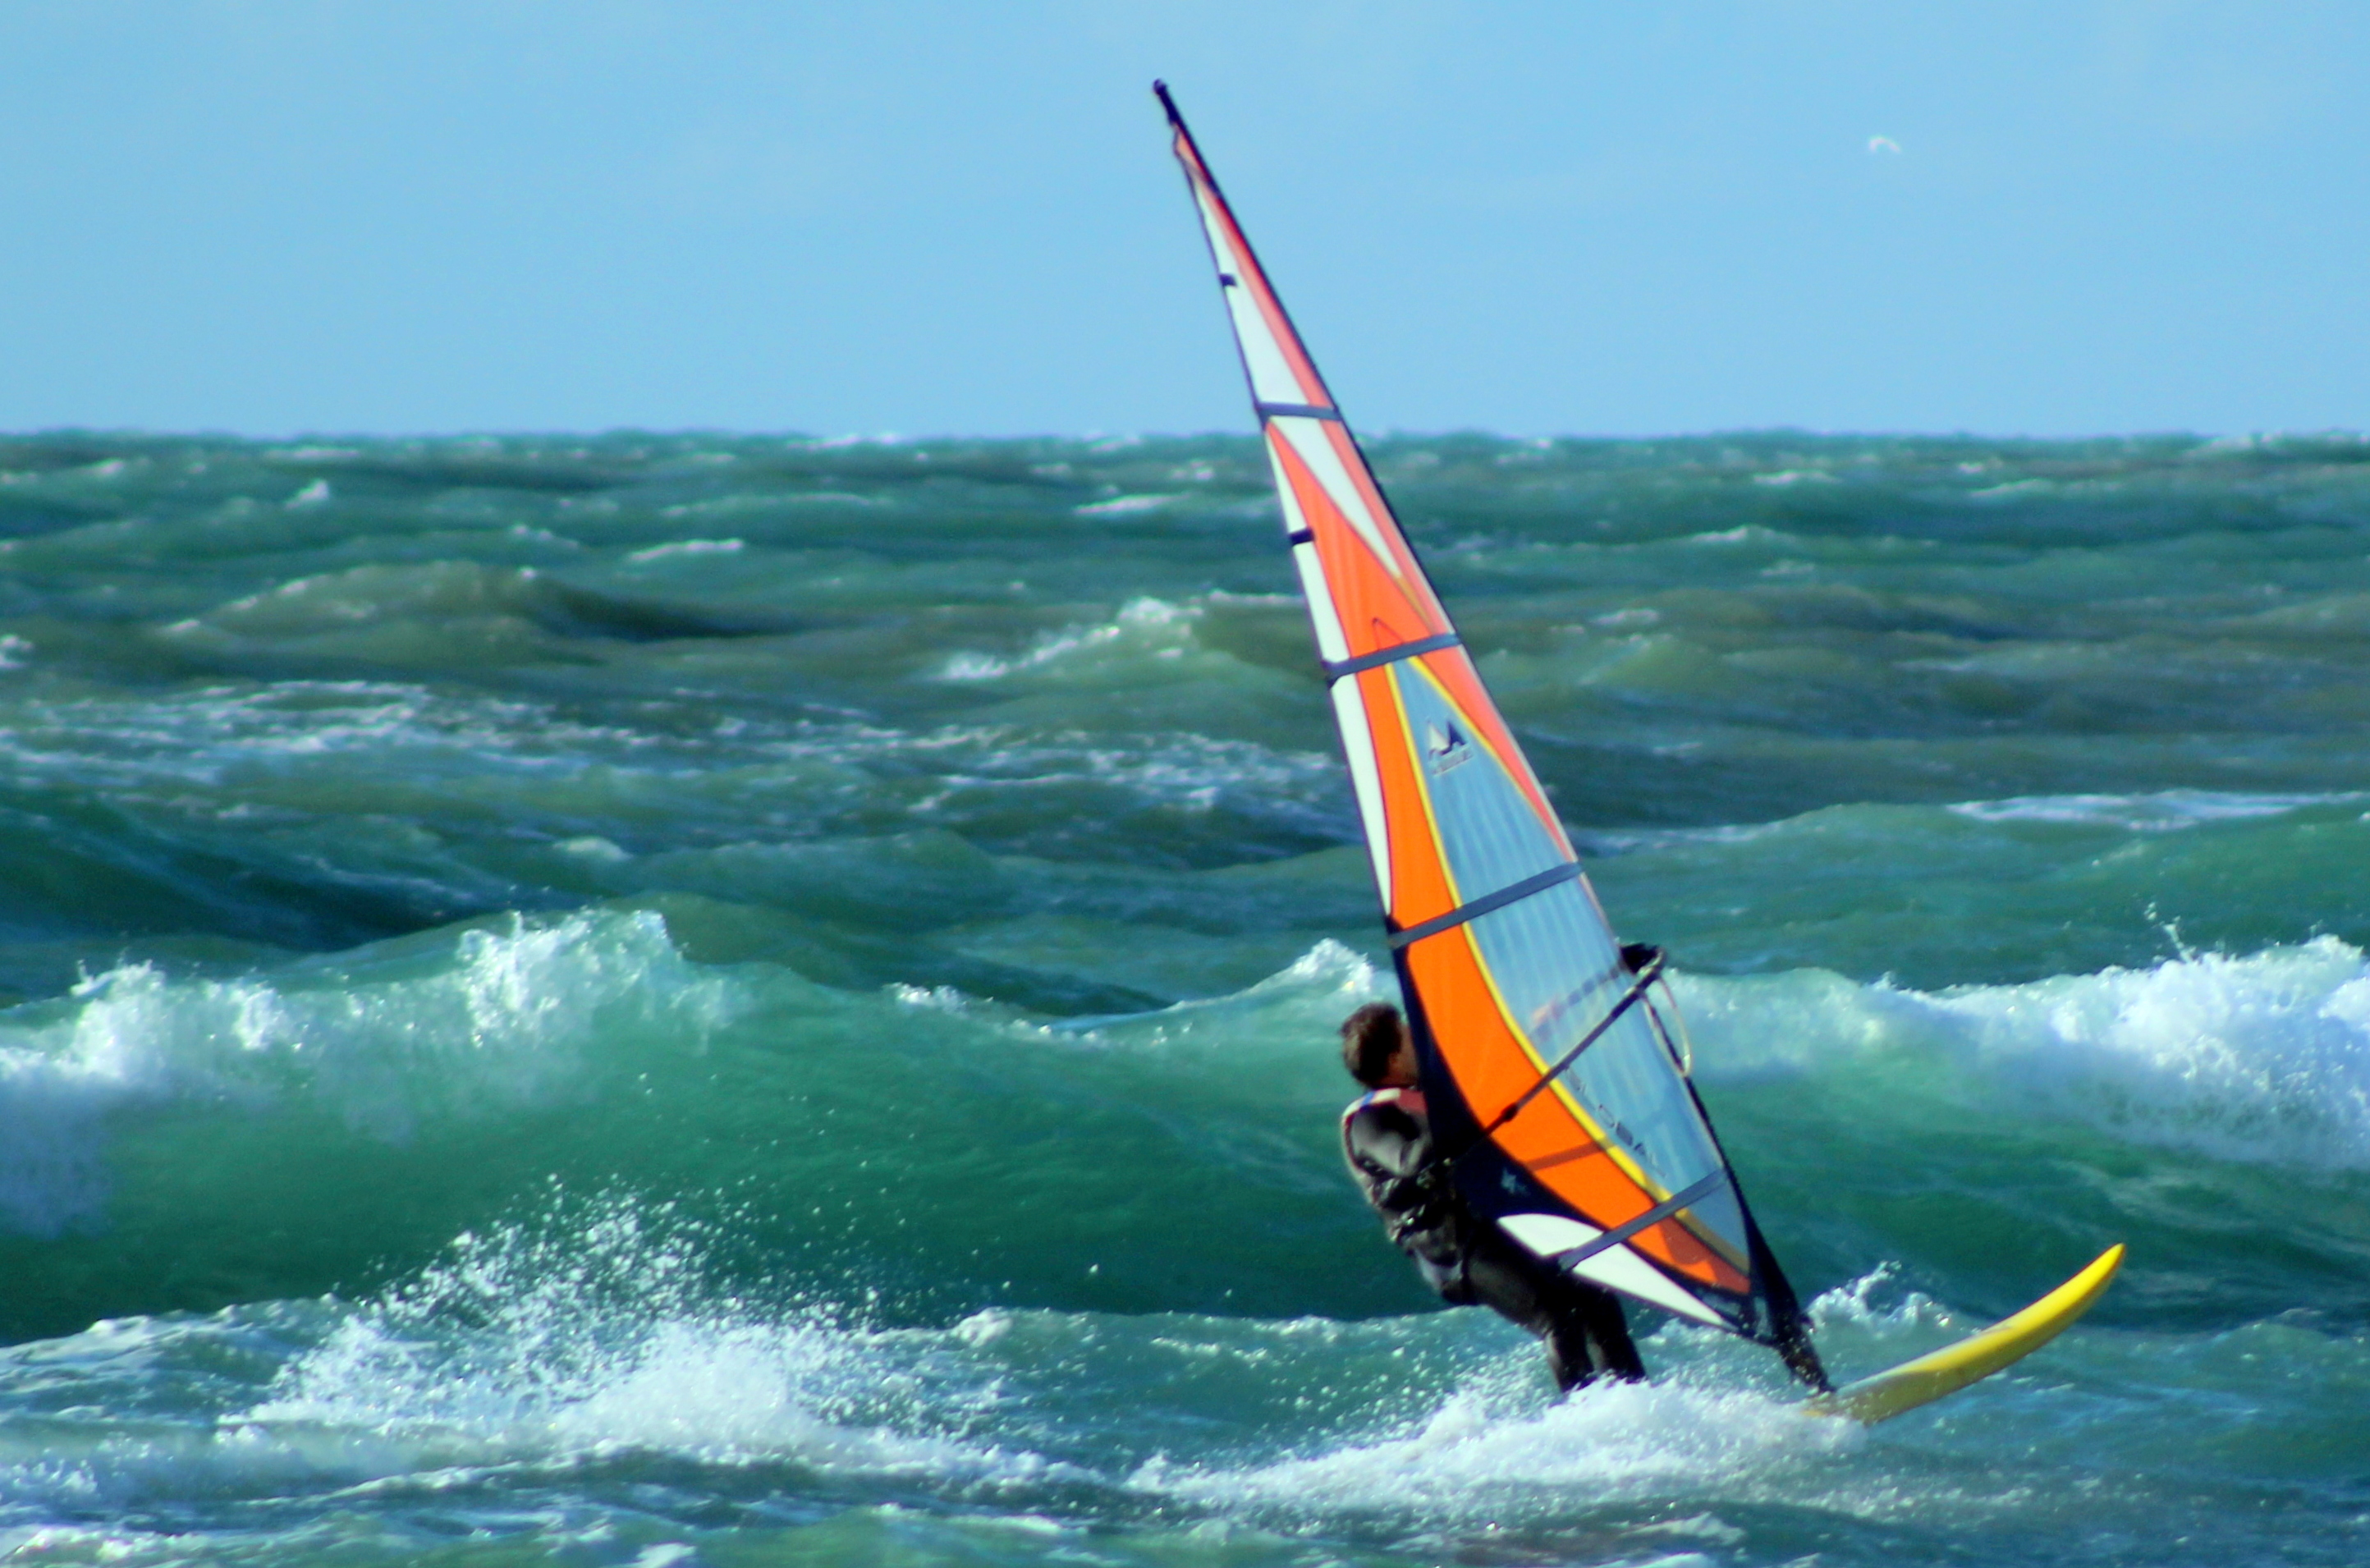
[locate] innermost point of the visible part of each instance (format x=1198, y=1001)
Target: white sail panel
x=1616, y=1267
x=1279, y=371
x=1317, y=455
x=1358, y=746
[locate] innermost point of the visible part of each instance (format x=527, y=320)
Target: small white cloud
x=1883, y=144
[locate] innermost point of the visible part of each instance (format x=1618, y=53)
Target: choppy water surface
x=756, y=1000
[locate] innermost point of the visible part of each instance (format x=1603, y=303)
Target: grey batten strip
x=1482, y=905
x=1337, y=668
x=1652, y=1216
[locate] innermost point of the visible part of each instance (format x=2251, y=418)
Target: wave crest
x=467, y=1025
x=2260, y=1059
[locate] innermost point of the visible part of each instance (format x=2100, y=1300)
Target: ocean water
x=701, y=999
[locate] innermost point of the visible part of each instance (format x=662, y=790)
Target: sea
x=674, y=999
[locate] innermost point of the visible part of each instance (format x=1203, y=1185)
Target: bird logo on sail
x=1444, y=746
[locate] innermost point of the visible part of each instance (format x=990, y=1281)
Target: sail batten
x=1585, y=1144
x=1337, y=668
x=1487, y=902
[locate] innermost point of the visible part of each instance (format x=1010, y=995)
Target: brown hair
x=1370, y=1038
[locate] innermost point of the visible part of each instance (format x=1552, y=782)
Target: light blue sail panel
x=1554, y=962
x=1559, y=975
x=1489, y=832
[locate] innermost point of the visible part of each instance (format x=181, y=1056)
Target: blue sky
x=1596, y=216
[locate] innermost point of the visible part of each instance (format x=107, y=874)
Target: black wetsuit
x=1471, y=1262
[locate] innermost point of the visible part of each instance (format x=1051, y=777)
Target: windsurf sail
x=1544, y=1065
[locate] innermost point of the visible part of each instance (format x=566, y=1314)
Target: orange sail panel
x=1507, y=962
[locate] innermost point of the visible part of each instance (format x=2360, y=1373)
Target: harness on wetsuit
x=1386, y=1139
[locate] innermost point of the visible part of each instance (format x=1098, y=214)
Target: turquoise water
x=668, y=999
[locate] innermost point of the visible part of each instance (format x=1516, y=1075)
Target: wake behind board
x=1952, y=1367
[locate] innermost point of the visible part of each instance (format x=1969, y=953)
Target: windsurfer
x=1387, y=1139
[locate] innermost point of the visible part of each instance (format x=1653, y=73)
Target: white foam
x=590, y=1333
x=1124, y=505
x=2166, y=810
x=203, y=735
x=310, y=729
x=1853, y=1302
x=1743, y=533
x=587, y=1334
x=1467, y=1460
x=505, y=1020
x=689, y=548
x=929, y=999
x=2275, y=441
x=762, y=504
x=1173, y=767
x=575, y=1379
x=1318, y=984
x=1629, y=619
x=2262, y=1058
x=1148, y=624
x=1327, y=967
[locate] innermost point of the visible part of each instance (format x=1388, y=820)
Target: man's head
x=1376, y=1047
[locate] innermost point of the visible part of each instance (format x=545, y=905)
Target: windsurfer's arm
x=1390, y=1155
x=1385, y=1142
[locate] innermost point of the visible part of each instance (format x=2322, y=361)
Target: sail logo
x=1444, y=746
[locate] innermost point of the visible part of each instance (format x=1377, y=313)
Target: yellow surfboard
x=1952, y=1367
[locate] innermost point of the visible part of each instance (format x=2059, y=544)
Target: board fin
x=1952, y=1367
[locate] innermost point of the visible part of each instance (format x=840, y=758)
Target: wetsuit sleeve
x=1389, y=1152
x=1384, y=1142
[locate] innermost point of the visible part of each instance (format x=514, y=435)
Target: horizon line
x=1246, y=431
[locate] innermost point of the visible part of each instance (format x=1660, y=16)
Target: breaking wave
x=2263, y=1058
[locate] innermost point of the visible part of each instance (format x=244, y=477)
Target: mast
x=1579, y=1133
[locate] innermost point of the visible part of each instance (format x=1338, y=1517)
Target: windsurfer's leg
x=1590, y=1322
x=1582, y=1326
